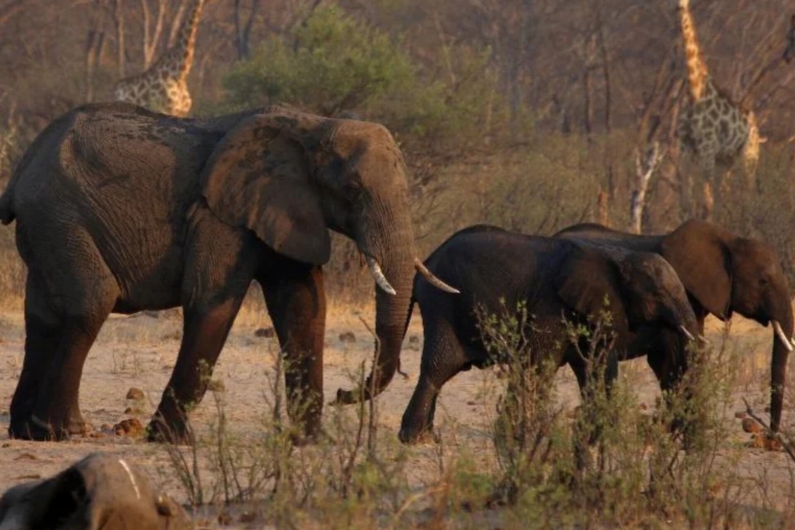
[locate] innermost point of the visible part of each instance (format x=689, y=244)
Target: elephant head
x=290, y=177
x=640, y=288
x=100, y=491
x=725, y=273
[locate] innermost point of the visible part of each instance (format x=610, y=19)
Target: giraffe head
x=789, y=53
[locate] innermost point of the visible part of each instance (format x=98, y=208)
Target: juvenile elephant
x=119, y=209
x=98, y=492
x=723, y=273
x=495, y=268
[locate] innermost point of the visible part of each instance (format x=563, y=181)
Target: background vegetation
x=522, y=113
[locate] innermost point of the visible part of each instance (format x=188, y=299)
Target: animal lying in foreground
x=99, y=491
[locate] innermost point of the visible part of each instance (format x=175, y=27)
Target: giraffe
x=164, y=86
x=713, y=127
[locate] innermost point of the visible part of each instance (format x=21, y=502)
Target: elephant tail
x=6, y=207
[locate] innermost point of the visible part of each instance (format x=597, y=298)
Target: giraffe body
x=164, y=86
x=713, y=127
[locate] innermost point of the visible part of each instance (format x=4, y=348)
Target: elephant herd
x=119, y=209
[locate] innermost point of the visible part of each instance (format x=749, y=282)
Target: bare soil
x=140, y=351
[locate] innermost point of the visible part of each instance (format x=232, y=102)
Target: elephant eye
x=763, y=281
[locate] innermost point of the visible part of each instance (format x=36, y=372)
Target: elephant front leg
x=205, y=329
x=296, y=302
x=442, y=358
x=417, y=422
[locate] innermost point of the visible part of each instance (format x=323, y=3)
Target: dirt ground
x=140, y=351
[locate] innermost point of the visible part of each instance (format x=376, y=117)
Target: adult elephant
x=723, y=274
x=119, y=209
x=497, y=269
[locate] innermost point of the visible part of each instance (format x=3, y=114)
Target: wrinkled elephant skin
x=119, y=209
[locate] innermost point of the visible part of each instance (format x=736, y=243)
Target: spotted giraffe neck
x=697, y=73
x=183, y=50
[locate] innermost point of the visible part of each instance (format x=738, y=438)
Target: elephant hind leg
x=56, y=412
x=42, y=336
x=72, y=292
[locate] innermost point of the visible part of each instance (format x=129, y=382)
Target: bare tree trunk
x=118, y=14
x=587, y=104
x=603, y=208
x=644, y=169
x=151, y=39
x=10, y=10
x=94, y=43
x=243, y=31
x=176, y=22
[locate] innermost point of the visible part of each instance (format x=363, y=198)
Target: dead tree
x=644, y=169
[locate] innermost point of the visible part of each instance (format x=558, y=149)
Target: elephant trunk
x=778, y=365
x=390, y=254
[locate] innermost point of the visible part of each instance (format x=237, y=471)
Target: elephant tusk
x=433, y=280
x=702, y=339
x=781, y=336
x=378, y=275
x=686, y=333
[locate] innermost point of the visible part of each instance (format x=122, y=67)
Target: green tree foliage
x=335, y=63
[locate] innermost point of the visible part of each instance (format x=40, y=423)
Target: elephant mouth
x=781, y=335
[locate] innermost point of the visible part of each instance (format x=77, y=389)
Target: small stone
x=771, y=444
x=27, y=456
x=105, y=427
x=96, y=434
x=130, y=427
x=749, y=425
x=265, y=333
x=347, y=337
x=216, y=385
x=136, y=394
x=757, y=442
x=471, y=403
x=133, y=411
x=740, y=414
x=6, y=445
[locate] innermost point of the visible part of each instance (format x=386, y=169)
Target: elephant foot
x=35, y=429
x=78, y=426
x=158, y=431
x=425, y=436
x=318, y=436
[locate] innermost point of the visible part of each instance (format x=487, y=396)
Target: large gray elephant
x=496, y=269
x=723, y=273
x=119, y=209
x=98, y=492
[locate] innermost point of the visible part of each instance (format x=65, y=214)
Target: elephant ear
x=258, y=178
x=589, y=282
x=55, y=502
x=702, y=260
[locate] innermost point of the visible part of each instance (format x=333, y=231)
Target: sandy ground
x=139, y=351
